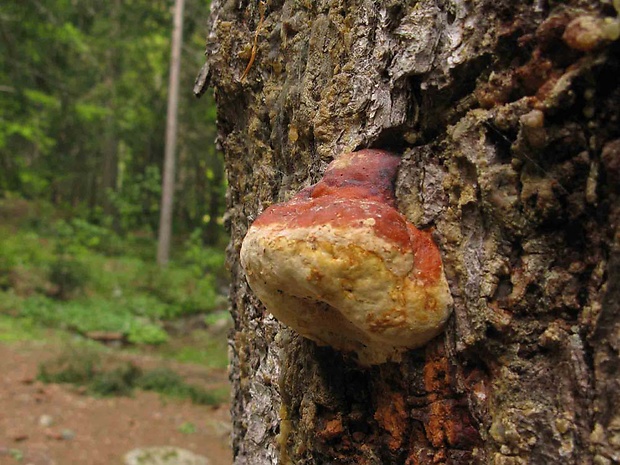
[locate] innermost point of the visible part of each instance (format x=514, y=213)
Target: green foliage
x=68, y=279
x=78, y=236
x=202, y=259
x=83, y=95
x=169, y=383
x=201, y=348
x=185, y=292
x=22, y=249
x=17, y=454
x=72, y=367
x=81, y=316
x=161, y=380
x=146, y=334
x=187, y=427
x=137, y=201
x=13, y=330
x=119, y=381
x=69, y=276
x=90, y=315
x=87, y=368
x=216, y=317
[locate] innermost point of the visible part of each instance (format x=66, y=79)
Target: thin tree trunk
x=506, y=116
x=167, y=196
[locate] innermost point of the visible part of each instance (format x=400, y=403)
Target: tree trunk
x=506, y=117
x=167, y=192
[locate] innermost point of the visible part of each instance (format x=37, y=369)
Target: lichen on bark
x=510, y=145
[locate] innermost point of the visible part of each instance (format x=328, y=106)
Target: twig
x=255, y=45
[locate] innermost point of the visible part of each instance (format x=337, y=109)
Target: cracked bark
x=511, y=153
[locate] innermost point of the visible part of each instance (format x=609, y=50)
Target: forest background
x=83, y=94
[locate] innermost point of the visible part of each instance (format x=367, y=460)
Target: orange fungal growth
x=341, y=266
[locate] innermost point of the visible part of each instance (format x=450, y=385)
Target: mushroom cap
x=341, y=266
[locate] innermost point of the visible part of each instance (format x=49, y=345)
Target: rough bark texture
x=506, y=116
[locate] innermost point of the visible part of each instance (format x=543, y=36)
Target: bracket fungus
x=341, y=266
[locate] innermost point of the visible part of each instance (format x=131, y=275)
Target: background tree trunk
x=506, y=116
x=167, y=192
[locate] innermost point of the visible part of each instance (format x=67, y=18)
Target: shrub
x=202, y=259
x=180, y=289
x=73, y=367
x=147, y=334
x=68, y=276
x=149, y=306
x=137, y=203
x=23, y=248
x=119, y=381
x=95, y=314
x=162, y=380
x=84, y=368
x=79, y=237
x=169, y=383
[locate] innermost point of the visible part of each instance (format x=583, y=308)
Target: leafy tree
x=83, y=89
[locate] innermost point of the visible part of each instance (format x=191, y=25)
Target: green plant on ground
x=170, y=384
x=216, y=317
x=18, y=329
x=68, y=276
x=187, y=427
x=73, y=276
x=199, y=347
x=90, y=315
x=211, y=355
x=203, y=259
x=17, y=454
x=86, y=368
x=182, y=290
x=73, y=367
x=119, y=381
x=74, y=270
x=162, y=380
x=146, y=334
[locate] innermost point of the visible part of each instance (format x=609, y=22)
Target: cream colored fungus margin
x=346, y=288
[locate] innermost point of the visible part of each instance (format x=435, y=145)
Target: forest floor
x=59, y=424
x=101, y=350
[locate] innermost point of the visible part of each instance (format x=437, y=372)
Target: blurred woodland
x=83, y=95
x=84, y=306
x=83, y=88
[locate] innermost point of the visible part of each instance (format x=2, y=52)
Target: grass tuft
x=86, y=368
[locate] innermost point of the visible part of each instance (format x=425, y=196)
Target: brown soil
x=90, y=431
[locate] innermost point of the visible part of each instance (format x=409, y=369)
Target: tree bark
x=506, y=116
x=167, y=193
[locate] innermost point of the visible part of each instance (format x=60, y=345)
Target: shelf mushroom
x=341, y=266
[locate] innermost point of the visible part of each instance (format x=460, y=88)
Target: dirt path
x=56, y=425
